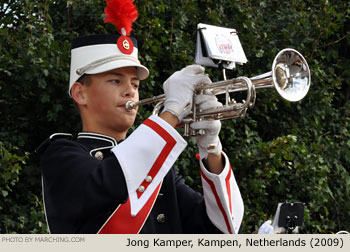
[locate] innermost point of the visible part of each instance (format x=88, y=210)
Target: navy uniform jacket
x=83, y=184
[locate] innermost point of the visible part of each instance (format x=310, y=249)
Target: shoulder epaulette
x=52, y=138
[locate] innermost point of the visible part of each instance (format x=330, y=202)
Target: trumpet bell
x=291, y=75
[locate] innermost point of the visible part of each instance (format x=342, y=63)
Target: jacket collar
x=99, y=145
x=96, y=138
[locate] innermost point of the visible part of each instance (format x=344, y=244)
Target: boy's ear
x=78, y=93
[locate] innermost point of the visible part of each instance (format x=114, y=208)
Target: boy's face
x=106, y=97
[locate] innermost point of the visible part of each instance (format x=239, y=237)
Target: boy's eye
x=135, y=85
x=115, y=81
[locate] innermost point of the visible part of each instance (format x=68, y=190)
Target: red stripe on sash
x=218, y=202
x=121, y=221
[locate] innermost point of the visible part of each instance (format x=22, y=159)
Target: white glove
x=266, y=228
x=209, y=142
x=179, y=88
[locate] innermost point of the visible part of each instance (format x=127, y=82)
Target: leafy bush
x=17, y=217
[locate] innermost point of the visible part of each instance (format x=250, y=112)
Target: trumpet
x=290, y=76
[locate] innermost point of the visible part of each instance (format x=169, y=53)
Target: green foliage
x=15, y=217
x=279, y=151
x=10, y=169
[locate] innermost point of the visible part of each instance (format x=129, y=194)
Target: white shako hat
x=95, y=54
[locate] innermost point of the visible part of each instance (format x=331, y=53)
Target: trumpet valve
x=243, y=113
x=200, y=132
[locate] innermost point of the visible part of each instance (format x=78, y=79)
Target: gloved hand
x=266, y=228
x=179, y=88
x=209, y=142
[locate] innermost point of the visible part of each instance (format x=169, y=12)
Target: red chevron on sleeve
x=228, y=187
x=170, y=143
x=217, y=198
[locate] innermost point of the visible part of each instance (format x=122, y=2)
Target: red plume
x=121, y=13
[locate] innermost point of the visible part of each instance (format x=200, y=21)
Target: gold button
x=99, y=155
x=161, y=218
x=141, y=189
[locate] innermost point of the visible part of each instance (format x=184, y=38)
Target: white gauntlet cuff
x=223, y=199
x=146, y=156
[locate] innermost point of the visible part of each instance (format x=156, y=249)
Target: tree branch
x=335, y=42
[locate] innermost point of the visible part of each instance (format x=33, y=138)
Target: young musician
x=105, y=182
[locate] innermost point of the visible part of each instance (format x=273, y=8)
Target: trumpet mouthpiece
x=130, y=105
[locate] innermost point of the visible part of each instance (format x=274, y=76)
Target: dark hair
x=85, y=79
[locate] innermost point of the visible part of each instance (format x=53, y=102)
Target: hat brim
x=142, y=71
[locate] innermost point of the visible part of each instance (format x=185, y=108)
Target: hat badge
x=124, y=43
